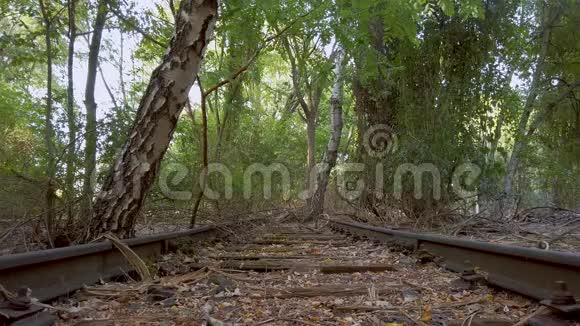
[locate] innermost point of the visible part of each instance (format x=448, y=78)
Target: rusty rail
x=56, y=272
x=528, y=271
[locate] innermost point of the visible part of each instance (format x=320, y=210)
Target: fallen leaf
x=426, y=314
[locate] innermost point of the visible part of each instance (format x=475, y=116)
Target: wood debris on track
x=294, y=275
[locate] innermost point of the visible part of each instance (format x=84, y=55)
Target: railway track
x=536, y=273
x=321, y=269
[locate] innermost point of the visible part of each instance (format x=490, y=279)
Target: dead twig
x=469, y=319
x=561, y=235
x=190, y=278
x=267, y=321
x=524, y=321
x=208, y=320
x=418, y=322
x=421, y=287
x=458, y=304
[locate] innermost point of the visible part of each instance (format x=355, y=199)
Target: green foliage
x=449, y=76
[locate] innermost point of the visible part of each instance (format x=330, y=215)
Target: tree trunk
x=49, y=129
x=120, y=201
x=311, y=141
x=204, y=102
x=71, y=118
x=331, y=155
x=519, y=144
x=124, y=104
x=91, y=134
x=204, y=156
x=309, y=110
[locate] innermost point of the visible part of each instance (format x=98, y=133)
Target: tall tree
x=125, y=189
x=49, y=128
x=308, y=82
x=331, y=155
x=71, y=117
x=549, y=18
x=91, y=134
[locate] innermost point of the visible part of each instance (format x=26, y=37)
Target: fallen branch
x=335, y=269
x=310, y=236
x=325, y=291
x=243, y=266
x=458, y=304
x=190, y=278
x=130, y=291
x=289, y=242
x=246, y=279
x=364, y=308
x=421, y=287
x=267, y=266
x=256, y=257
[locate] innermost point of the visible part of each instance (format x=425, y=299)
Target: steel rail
x=528, y=271
x=54, y=273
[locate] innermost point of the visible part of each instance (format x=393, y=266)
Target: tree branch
x=138, y=29
x=245, y=67
x=549, y=110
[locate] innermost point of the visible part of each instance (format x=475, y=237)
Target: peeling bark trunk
x=120, y=201
x=331, y=155
x=71, y=117
x=91, y=134
x=519, y=144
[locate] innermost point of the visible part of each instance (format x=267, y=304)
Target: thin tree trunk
x=311, y=140
x=119, y=202
x=331, y=155
x=496, y=138
x=204, y=156
x=121, y=69
x=490, y=158
x=109, y=90
x=91, y=134
x=50, y=196
x=309, y=113
x=519, y=144
x=204, y=101
x=71, y=117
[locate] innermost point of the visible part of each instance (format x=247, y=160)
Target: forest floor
x=541, y=227
x=294, y=274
